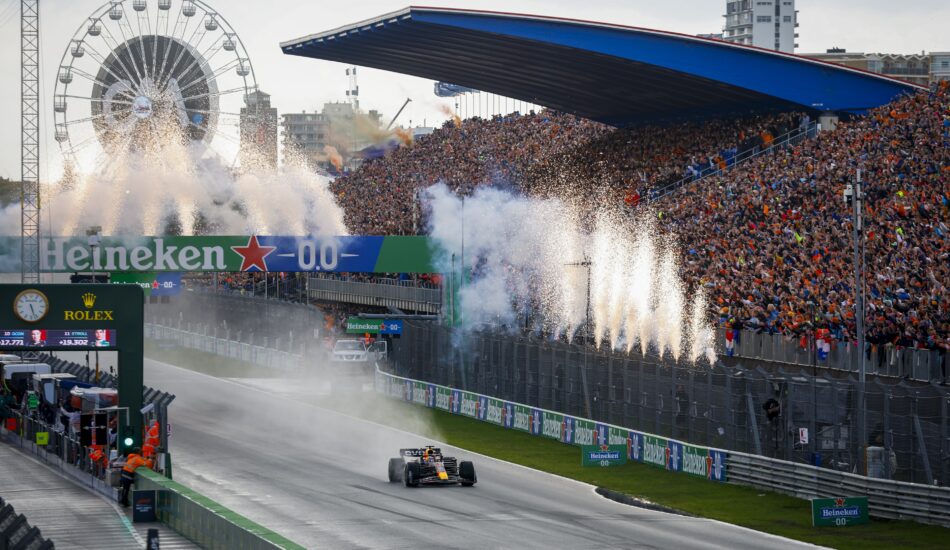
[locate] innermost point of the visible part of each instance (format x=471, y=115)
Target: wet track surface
x=319, y=478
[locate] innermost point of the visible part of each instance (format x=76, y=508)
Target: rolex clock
x=31, y=305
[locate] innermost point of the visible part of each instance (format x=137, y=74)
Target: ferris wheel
x=138, y=75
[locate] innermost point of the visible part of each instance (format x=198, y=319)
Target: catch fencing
x=886, y=498
x=883, y=360
x=715, y=406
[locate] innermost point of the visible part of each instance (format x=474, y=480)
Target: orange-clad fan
x=98, y=457
x=132, y=462
x=151, y=440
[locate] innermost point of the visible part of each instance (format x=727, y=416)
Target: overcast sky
x=297, y=83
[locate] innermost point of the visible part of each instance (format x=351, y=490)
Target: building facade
x=258, y=131
x=768, y=24
x=923, y=68
x=330, y=139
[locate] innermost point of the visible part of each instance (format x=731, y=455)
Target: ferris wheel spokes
x=146, y=73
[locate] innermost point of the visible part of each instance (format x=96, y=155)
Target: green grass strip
x=757, y=509
x=225, y=513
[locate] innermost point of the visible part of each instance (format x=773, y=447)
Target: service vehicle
x=428, y=466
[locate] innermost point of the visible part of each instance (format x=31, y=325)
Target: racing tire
x=396, y=468
x=412, y=474
x=467, y=473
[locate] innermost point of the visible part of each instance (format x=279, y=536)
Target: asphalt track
x=319, y=478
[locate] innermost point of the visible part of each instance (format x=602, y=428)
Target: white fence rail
x=886, y=498
x=258, y=355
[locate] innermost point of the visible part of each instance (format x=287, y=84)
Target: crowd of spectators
x=381, y=197
x=543, y=154
x=772, y=239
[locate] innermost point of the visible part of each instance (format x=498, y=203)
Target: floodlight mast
x=30, y=141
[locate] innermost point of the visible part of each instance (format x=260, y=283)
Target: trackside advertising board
x=839, y=512
x=603, y=456
x=619, y=444
x=354, y=254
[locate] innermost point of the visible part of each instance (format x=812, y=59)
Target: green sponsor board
x=443, y=398
x=358, y=325
x=552, y=424
x=616, y=436
x=522, y=418
x=839, y=512
x=469, y=404
x=654, y=450
x=584, y=432
x=495, y=411
x=603, y=456
x=32, y=401
x=696, y=460
x=42, y=438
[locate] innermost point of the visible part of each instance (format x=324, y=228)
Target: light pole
x=855, y=197
x=585, y=263
x=93, y=238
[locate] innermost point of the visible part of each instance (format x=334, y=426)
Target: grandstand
x=768, y=237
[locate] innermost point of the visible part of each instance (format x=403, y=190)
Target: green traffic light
x=128, y=441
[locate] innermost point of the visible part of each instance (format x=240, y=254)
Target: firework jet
x=529, y=257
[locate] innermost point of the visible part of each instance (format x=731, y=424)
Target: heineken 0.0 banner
x=839, y=512
x=358, y=325
x=153, y=284
x=231, y=253
x=603, y=455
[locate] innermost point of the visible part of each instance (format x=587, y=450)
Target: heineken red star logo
x=253, y=254
x=839, y=502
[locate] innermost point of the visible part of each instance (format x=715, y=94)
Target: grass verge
x=753, y=508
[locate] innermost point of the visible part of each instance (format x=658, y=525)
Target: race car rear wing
x=419, y=452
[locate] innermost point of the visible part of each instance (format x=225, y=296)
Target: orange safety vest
x=134, y=461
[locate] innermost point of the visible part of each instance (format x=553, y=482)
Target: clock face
x=31, y=305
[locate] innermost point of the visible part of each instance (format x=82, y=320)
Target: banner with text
x=635, y=446
x=352, y=254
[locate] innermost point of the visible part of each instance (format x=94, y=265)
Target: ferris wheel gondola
x=137, y=71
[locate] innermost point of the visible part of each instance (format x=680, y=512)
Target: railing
x=260, y=355
x=387, y=293
x=790, y=138
x=887, y=360
x=886, y=499
x=63, y=451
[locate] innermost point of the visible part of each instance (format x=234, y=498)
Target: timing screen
x=43, y=338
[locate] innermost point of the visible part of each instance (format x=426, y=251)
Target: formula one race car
x=427, y=466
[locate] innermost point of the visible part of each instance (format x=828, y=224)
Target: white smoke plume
x=526, y=261
x=139, y=194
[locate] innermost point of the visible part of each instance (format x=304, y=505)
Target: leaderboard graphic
x=46, y=338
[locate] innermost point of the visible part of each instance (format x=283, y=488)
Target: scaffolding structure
x=30, y=140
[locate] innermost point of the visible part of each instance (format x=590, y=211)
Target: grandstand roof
x=615, y=74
